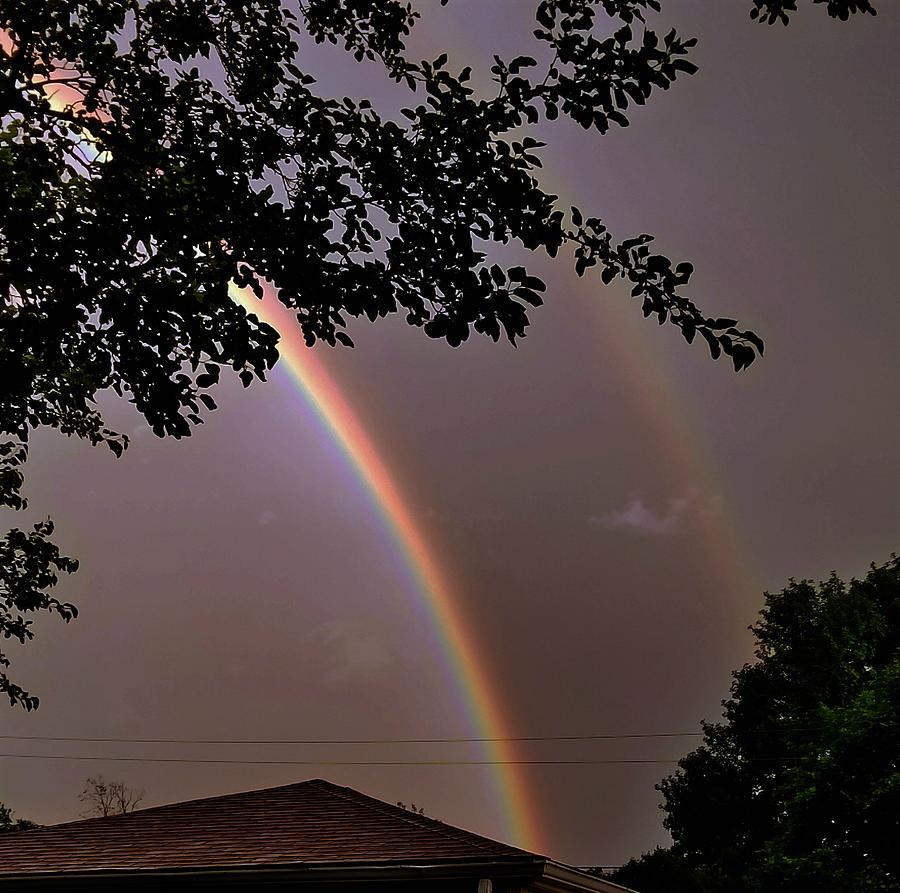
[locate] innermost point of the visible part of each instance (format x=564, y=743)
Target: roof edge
x=557, y=878
x=449, y=869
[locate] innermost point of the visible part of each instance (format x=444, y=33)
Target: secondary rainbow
x=670, y=410
x=458, y=641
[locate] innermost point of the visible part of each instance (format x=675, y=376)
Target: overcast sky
x=610, y=503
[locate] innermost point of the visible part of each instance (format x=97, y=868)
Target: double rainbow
x=661, y=401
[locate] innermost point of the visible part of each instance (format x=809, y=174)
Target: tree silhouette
x=799, y=787
x=772, y=11
x=153, y=152
x=8, y=823
x=103, y=798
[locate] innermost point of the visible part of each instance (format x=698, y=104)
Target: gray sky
x=609, y=502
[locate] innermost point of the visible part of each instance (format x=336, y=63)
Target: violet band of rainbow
x=461, y=650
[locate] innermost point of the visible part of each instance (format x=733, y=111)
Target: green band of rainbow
x=435, y=593
x=459, y=643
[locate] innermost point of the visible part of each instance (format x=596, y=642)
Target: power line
x=33, y=756
x=244, y=762
x=341, y=741
x=336, y=741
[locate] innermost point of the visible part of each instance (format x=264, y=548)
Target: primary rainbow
x=458, y=642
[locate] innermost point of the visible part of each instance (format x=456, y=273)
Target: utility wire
x=339, y=741
x=335, y=741
x=34, y=756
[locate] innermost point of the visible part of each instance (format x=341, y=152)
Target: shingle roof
x=310, y=823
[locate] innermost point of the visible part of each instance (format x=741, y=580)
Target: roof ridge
x=313, y=823
x=417, y=819
x=173, y=804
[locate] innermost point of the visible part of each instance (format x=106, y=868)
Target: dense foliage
x=30, y=564
x=152, y=151
x=772, y=11
x=799, y=787
x=8, y=823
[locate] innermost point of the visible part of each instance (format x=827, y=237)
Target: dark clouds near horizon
x=240, y=585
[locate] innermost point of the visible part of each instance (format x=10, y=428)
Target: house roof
x=310, y=822
x=306, y=832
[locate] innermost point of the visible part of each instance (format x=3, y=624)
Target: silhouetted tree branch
x=8, y=823
x=103, y=798
x=772, y=11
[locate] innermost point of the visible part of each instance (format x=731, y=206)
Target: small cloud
x=350, y=650
x=671, y=518
x=265, y=518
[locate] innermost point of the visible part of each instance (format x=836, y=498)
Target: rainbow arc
x=458, y=641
